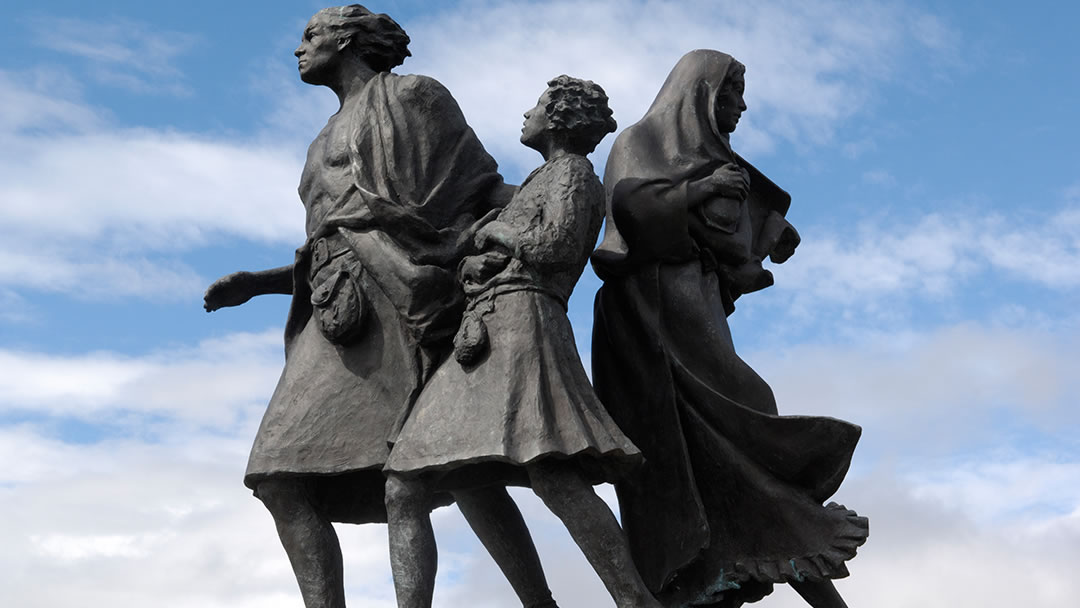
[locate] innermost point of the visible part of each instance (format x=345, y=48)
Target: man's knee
x=284, y=498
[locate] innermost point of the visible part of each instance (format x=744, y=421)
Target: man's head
x=573, y=111
x=349, y=33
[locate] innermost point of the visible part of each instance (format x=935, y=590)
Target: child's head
x=572, y=114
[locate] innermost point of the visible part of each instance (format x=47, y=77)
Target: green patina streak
x=708, y=596
x=798, y=575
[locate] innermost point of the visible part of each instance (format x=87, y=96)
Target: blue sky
x=147, y=148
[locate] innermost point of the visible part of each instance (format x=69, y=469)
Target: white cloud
x=885, y=264
x=14, y=308
x=810, y=65
x=120, y=204
x=128, y=522
x=948, y=388
x=926, y=552
x=210, y=384
x=110, y=195
x=156, y=524
x=78, y=548
x=103, y=276
x=42, y=99
x=139, y=189
x=1041, y=492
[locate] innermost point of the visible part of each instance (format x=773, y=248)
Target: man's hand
x=230, y=290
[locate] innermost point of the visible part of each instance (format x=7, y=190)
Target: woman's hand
x=731, y=180
x=230, y=290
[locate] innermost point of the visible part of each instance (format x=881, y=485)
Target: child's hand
x=479, y=268
x=497, y=234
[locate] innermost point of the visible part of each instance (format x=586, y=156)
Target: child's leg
x=497, y=522
x=594, y=528
x=413, y=555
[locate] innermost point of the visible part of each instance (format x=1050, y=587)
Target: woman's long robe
x=729, y=499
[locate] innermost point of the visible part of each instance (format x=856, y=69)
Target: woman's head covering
x=677, y=139
x=675, y=142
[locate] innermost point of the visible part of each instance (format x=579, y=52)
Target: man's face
x=318, y=53
x=536, y=122
x=729, y=103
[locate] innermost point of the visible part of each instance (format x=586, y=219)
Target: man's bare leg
x=497, y=522
x=595, y=530
x=414, y=558
x=309, y=540
x=819, y=594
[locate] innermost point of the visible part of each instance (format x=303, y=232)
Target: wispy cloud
x=120, y=204
x=879, y=177
x=810, y=65
x=922, y=394
x=217, y=382
x=126, y=520
x=128, y=195
x=120, y=52
x=126, y=523
x=43, y=101
x=884, y=265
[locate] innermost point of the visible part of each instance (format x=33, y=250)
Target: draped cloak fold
x=729, y=499
x=420, y=179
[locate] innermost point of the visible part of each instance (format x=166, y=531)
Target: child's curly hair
x=578, y=109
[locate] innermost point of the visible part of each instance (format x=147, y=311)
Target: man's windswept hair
x=377, y=38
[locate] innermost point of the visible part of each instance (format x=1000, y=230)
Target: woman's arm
x=239, y=287
x=729, y=180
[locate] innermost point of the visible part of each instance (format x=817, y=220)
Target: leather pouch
x=338, y=305
x=471, y=341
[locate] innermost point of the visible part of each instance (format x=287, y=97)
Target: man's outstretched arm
x=239, y=287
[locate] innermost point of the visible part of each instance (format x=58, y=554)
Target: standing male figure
x=393, y=187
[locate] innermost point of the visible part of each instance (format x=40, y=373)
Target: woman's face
x=729, y=103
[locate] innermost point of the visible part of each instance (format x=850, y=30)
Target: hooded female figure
x=729, y=500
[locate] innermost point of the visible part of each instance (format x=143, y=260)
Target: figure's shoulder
x=577, y=169
x=415, y=85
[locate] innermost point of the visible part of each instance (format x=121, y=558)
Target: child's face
x=536, y=124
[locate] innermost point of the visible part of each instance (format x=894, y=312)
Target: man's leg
x=820, y=594
x=309, y=540
x=595, y=530
x=414, y=558
x=497, y=522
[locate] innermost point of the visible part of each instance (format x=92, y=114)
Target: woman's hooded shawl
x=651, y=163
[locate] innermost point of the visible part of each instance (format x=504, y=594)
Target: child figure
x=514, y=405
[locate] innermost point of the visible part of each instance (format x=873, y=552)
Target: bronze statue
x=514, y=405
x=393, y=188
x=429, y=358
x=729, y=499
